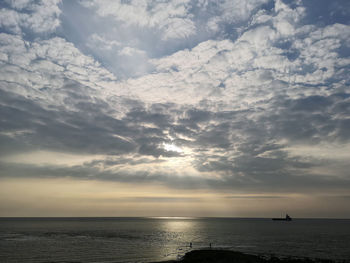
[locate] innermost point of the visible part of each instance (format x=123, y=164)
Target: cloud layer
x=227, y=95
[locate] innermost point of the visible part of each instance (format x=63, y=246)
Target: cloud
x=171, y=17
x=99, y=42
x=129, y=51
x=157, y=97
x=42, y=68
x=36, y=16
x=255, y=66
x=155, y=28
x=241, y=149
x=10, y=20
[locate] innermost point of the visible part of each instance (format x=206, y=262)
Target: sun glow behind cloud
x=172, y=148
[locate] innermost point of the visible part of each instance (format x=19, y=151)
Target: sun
x=172, y=148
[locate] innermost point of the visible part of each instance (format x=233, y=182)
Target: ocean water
x=156, y=239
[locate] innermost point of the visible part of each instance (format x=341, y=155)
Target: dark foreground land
x=226, y=256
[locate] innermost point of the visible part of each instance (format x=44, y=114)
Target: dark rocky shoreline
x=227, y=256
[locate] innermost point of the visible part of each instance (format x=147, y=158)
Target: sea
x=163, y=238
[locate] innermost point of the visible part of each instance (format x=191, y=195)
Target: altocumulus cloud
x=250, y=95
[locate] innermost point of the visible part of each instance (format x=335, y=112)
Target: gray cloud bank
x=254, y=99
x=246, y=151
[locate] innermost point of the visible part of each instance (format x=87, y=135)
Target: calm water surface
x=155, y=239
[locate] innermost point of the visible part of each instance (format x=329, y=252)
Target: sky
x=223, y=108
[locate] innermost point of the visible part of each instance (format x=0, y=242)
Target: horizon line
x=160, y=217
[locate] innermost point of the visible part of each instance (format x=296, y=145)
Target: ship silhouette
x=287, y=218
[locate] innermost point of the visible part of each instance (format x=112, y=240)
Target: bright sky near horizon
x=175, y=108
